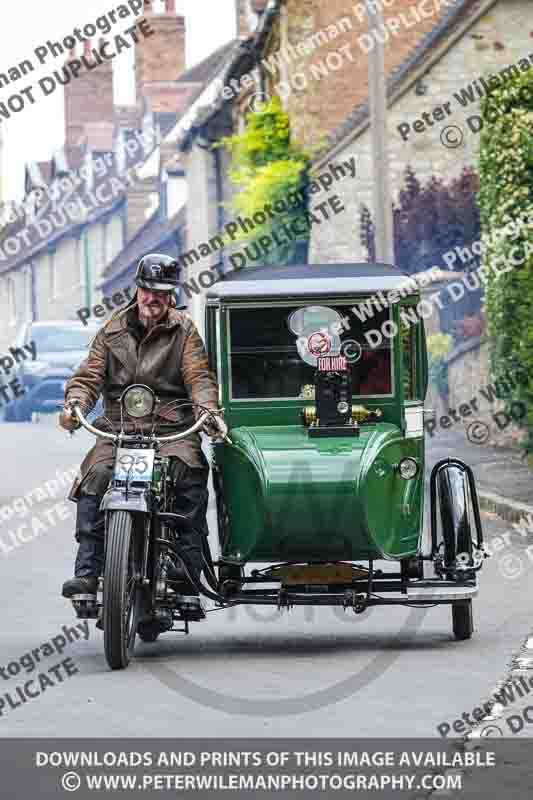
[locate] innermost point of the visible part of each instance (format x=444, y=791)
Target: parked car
x=60, y=347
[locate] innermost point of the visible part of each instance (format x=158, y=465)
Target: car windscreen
x=54, y=339
x=274, y=350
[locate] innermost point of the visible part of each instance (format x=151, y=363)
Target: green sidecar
x=323, y=372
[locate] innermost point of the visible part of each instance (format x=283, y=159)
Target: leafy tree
x=268, y=169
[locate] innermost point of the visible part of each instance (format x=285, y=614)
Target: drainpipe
x=220, y=209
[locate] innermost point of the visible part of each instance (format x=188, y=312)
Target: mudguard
x=116, y=500
x=453, y=494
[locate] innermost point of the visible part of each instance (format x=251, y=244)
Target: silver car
x=60, y=346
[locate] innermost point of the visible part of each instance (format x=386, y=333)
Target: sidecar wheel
x=122, y=599
x=462, y=619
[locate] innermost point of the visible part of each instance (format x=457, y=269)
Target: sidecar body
x=323, y=373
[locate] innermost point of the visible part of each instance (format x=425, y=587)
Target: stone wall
x=470, y=380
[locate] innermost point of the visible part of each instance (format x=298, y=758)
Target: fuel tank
x=283, y=496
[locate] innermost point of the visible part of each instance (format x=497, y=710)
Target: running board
x=435, y=592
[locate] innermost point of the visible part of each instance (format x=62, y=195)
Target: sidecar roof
x=308, y=280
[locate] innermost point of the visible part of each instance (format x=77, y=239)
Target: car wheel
x=462, y=619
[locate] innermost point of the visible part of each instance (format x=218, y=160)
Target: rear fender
x=453, y=494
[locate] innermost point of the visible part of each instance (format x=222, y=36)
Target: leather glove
x=67, y=420
x=215, y=427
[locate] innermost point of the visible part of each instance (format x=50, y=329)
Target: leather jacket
x=170, y=359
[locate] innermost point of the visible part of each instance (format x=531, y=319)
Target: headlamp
x=138, y=401
x=408, y=468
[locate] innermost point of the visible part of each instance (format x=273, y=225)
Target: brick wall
x=479, y=51
x=320, y=103
x=247, y=13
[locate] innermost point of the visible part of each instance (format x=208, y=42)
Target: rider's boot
x=90, y=557
x=190, y=545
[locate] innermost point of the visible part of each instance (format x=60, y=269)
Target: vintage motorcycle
x=323, y=381
x=135, y=594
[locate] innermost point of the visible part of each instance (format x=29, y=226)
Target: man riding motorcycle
x=150, y=341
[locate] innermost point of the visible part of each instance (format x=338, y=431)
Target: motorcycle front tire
x=121, y=592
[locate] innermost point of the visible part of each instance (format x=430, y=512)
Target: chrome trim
x=176, y=437
x=447, y=592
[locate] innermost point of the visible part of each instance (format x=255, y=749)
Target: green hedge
x=506, y=195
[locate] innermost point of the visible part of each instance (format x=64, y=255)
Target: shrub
x=506, y=194
x=269, y=170
x=428, y=220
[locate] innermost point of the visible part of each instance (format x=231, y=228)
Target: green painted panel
x=289, y=497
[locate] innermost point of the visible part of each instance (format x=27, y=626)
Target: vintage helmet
x=158, y=271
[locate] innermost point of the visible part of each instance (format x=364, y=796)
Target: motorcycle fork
x=145, y=580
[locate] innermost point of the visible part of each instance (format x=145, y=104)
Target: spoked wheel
x=122, y=598
x=462, y=619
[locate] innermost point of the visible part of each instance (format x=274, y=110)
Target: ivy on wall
x=268, y=169
x=506, y=194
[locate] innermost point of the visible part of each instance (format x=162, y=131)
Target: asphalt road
x=242, y=672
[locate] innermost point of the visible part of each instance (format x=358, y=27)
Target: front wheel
x=121, y=594
x=462, y=619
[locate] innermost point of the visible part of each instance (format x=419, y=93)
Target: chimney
x=88, y=98
x=160, y=59
x=248, y=14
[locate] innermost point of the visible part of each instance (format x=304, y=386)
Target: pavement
x=504, y=481
x=505, y=490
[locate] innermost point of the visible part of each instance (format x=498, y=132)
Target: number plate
x=134, y=465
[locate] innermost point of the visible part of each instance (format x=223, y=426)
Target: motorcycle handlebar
x=76, y=410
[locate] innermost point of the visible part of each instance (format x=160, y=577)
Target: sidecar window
x=266, y=362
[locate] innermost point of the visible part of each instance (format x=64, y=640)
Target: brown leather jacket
x=171, y=360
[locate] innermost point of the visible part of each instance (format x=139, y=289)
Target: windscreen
x=55, y=339
x=275, y=350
